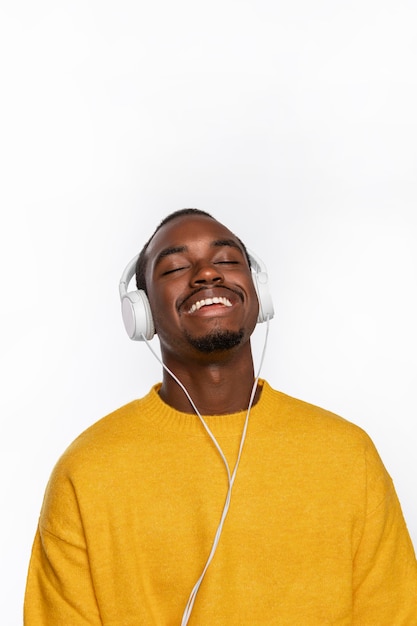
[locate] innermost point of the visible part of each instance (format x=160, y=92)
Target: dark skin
x=190, y=261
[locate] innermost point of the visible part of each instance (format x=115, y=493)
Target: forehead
x=189, y=231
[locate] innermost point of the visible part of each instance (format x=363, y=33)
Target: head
x=197, y=277
x=142, y=259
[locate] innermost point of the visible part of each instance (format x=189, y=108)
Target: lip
x=205, y=298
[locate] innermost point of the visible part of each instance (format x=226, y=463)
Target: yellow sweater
x=314, y=535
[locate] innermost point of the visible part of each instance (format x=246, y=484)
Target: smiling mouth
x=208, y=302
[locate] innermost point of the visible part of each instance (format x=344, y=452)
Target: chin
x=217, y=340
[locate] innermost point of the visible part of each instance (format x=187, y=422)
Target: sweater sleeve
x=59, y=588
x=385, y=567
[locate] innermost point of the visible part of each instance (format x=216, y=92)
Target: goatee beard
x=217, y=340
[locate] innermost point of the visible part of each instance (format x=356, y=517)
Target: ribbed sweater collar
x=162, y=416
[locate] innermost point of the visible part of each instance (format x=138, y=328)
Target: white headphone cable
x=177, y=380
x=230, y=476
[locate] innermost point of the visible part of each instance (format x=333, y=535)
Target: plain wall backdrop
x=292, y=122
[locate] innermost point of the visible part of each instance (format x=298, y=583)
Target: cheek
x=254, y=299
x=163, y=313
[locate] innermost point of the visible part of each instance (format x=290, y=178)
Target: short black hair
x=141, y=262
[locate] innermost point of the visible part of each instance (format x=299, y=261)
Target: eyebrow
x=227, y=242
x=168, y=251
x=218, y=243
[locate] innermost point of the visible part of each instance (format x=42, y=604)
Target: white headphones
x=136, y=310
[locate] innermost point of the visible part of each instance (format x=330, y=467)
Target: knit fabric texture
x=314, y=536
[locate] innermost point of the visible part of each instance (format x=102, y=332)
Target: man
x=145, y=522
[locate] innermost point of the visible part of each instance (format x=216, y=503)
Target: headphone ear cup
x=137, y=315
x=266, y=306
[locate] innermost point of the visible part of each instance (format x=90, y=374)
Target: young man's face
x=199, y=287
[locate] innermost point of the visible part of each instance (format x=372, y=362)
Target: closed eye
x=226, y=263
x=174, y=269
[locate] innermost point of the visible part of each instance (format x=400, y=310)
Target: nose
x=207, y=273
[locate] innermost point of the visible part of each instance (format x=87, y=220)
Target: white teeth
x=208, y=301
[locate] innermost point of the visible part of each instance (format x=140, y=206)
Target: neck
x=216, y=388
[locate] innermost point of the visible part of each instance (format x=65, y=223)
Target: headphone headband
x=127, y=276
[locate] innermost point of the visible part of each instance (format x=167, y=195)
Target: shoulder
x=300, y=414
x=327, y=444
x=108, y=437
x=93, y=461
x=319, y=430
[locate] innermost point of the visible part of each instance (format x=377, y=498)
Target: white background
x=292, y=122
